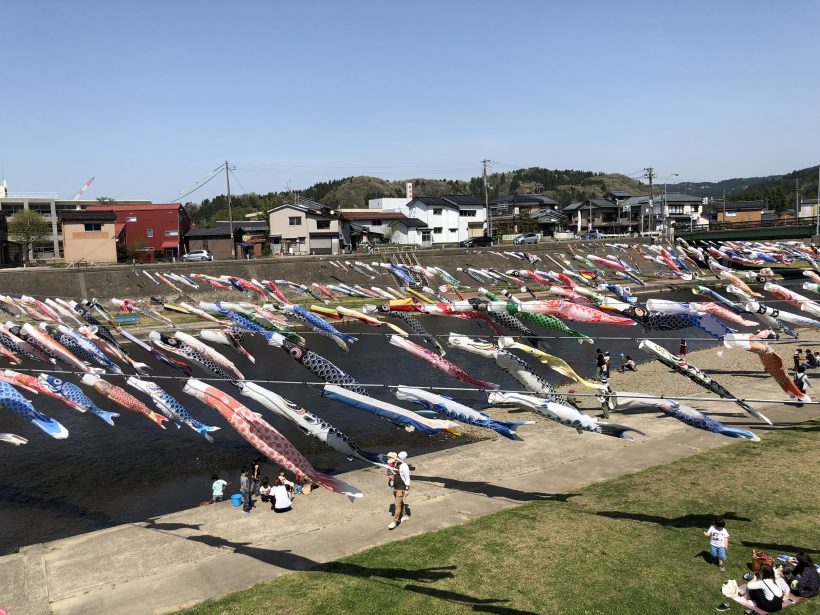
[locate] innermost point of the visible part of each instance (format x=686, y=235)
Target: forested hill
x=564, y=186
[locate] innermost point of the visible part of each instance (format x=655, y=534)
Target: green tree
x=28, y=227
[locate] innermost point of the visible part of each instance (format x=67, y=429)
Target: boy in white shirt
x=718, y=542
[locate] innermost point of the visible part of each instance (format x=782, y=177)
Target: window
x=676, y=209
x=323, y=224
x=149, y=232
x=437, y=230
x=376, y=223
x=437, y=211
x=93, y=226
x=453, y=230
x=467, y=213
x=295, y=220
x=172, y=233
x=131, y=219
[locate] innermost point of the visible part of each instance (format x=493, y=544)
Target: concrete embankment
x=130, y=281
x=179, y=559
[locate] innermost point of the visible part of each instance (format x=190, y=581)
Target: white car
x=526, y=238
x=198, y=255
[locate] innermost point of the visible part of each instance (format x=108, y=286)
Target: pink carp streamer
x=771, y=361
x=439, y=363
x=715, y=309
x=574, y=312
x=122, y=398
x=265, y=438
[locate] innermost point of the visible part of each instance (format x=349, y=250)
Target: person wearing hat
x=401, y=487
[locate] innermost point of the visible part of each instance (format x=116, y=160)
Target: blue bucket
x=236, y=499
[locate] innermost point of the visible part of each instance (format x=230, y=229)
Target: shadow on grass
x=480, y=605
x=768, y=546
x=495, y=491
x=706, y=556
x=702, y=520
x=422, y=575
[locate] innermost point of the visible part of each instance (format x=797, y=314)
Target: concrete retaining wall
x=127, y=281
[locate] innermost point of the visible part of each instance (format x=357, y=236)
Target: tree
x=28, y=227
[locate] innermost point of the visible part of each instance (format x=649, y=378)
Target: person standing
x=256, y=475
x=245, y=490
x=718, y=542
x=797, y=357
x=607, y=365
x=683, y=349
x=599, y=363
x=401, y=489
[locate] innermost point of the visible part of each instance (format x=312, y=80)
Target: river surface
x=103, y=476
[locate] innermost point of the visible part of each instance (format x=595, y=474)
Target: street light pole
x=666, y=216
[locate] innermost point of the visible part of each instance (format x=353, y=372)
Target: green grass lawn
x=628, y=545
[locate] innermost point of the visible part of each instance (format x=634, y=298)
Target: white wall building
x=447, y=220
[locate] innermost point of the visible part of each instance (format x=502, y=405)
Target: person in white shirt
x=718, y=542
x=281, y=498
x=401, y=488
x=765, y=592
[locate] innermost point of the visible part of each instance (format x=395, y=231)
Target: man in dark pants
x=245, y=490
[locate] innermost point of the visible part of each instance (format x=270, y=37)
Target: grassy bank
x=629, y=545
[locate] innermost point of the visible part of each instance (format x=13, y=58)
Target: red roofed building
x=157, y=229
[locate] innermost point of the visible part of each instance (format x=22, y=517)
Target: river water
x=103, y=476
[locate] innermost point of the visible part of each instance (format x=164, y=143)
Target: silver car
x=198, y=255
x=526, y=238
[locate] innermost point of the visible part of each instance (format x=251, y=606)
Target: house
x=594, y=214
x=472, y=215
x=151, y=228
x=510, y=214
x=740, y=211
x=304, y=227
x=89, y=236
x=809, y=208
x=249, y=239
x=377, y=226
x=682, y=210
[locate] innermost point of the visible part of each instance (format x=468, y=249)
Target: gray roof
x=245, y=225
x=547, y=216
x=536, y=199
x=620, y=194
x=432, y=201
x=413, y=223
x=218, y=231
x=74, y=215
x=595, y=203
x=462, y=199
x=677, y=197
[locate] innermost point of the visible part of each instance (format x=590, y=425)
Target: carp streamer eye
x=295, y=352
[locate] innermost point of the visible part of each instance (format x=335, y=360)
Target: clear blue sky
x=149, y=96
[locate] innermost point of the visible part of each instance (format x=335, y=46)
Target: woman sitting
x=280, y=496
x=766, y=593
x=805, y=580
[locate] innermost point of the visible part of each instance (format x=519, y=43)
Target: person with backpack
x=801, y=380
x=401, y=489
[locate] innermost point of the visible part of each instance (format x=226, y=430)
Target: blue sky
x=149, y=96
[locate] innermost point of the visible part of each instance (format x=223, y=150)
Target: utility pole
x=484, y=163
x=817, y=207
x=724, y=205
x=650, y=173
x=797, y=191
x=230, y=211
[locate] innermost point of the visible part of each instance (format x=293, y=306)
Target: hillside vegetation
x=565, y=186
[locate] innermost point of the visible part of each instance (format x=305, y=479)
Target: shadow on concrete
x=479, y=605
x=421, y=575
x=701, y=521
x=494, y=491
x=772, y=547
x=151, y=524
x=283, y=559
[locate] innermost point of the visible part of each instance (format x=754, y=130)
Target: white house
x=446, y=220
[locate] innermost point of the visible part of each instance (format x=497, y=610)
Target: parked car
x=526, y=238
x=198, y=255
x=593, y=235
x=472, y=242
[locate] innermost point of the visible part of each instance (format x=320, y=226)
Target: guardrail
x=729, y=226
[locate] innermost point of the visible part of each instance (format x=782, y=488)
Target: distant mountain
x=565, y=186
x=715, y=189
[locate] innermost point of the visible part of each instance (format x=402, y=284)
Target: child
x=264, y=489
x=718, y=542
x=630, y=364
x=217, y=489
x=245, y=487
x=287, y=483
